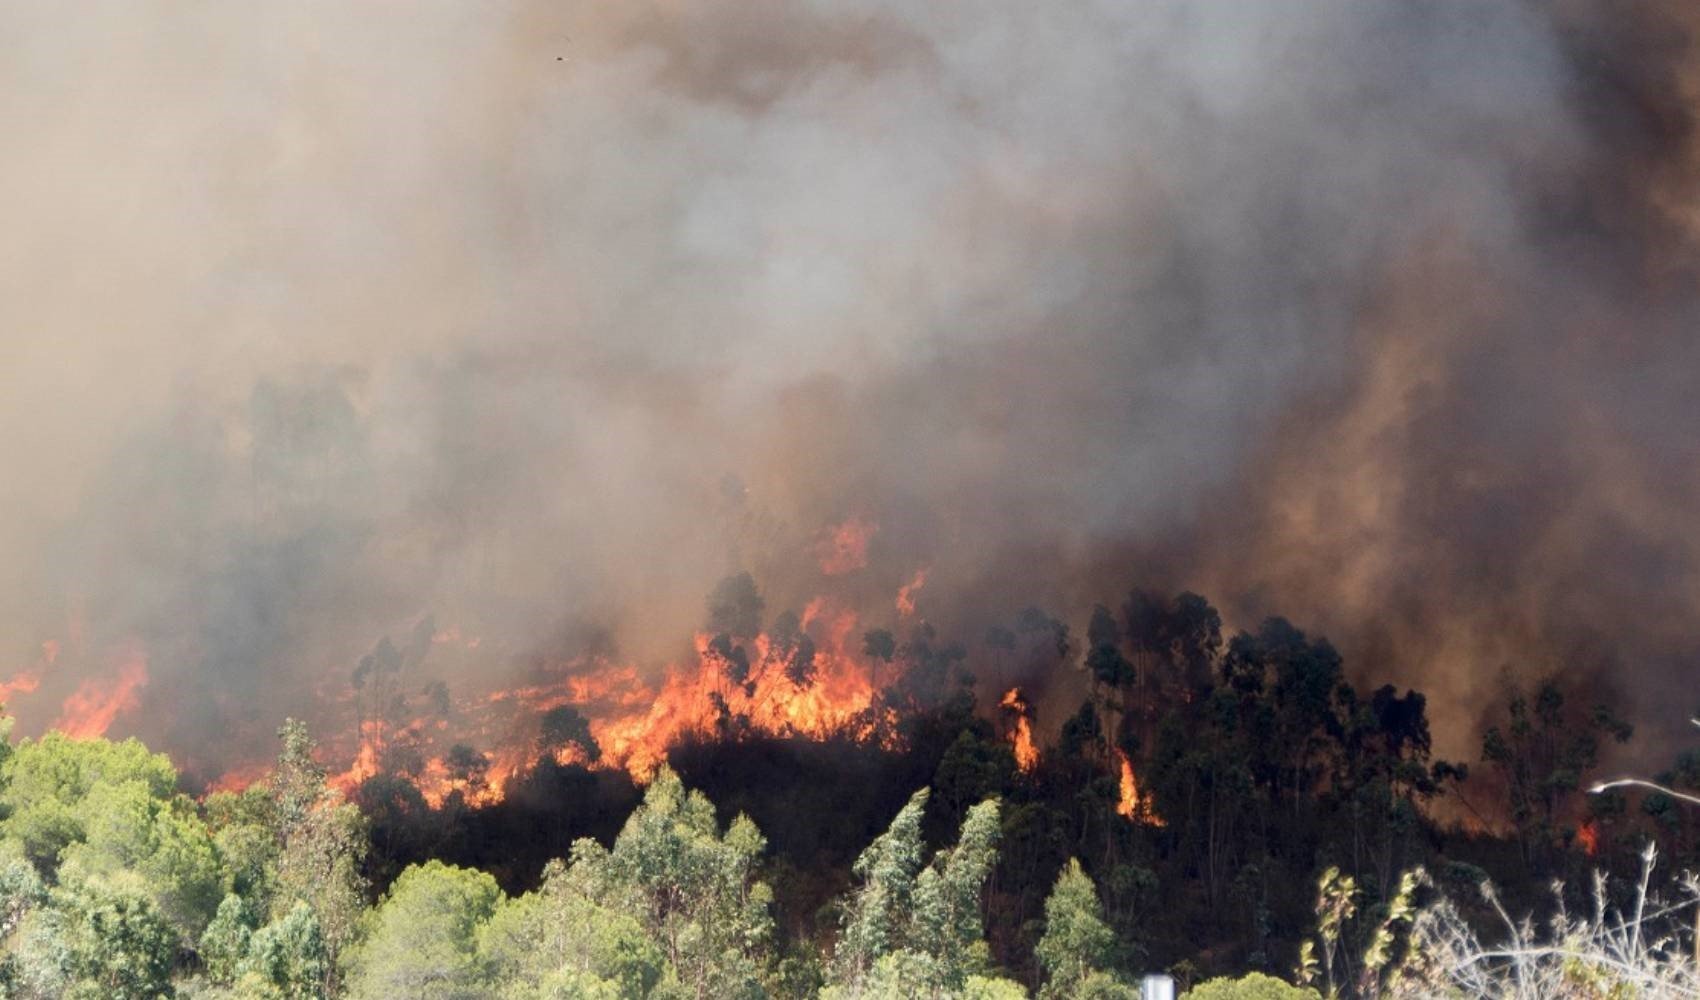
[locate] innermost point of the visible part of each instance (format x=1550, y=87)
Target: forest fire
x=906, y=593
x=1021, y=732
x=26, y=682
x=1132, y=803
x=798, y=678
x=90, y=710
x=794, y=680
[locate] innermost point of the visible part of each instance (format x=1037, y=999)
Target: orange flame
x=843, y=548
x=772, y=688
x=1026, y=754
x=27, y=681
x=365, y=763
x=238, y=779
x=91, y=708
x=906, y=593
x=1134, y=805
x=23, y=683
x=835, y=698
x=1588, y=835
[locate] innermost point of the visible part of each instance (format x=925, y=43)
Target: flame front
x=803, y=683
x=89, y=711
x=834, y=698
x=1021, y=734
x=1132, y=804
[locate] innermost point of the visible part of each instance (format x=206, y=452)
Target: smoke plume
x=540, y=318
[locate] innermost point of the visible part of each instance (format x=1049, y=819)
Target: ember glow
x=1588, y=838
x=1021, y=730
x=1132, y=803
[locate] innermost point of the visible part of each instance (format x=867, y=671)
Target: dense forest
x=1230, y=810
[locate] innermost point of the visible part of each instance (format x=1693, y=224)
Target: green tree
x=113, y=807
x=946, y=921
x=557, y=942
x=422, y=940
x=321, y=842
x=244, y=831
x=98, y=938
x=876, y=912
x=691, y=887
x=48, y=783
x=1078, y=947
x=164, y=841
x=224, y=944
x=287, y=959
x=912, y=931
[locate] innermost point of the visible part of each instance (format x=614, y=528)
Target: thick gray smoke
x=540, y=317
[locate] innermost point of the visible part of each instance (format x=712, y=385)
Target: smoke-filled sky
x=540, y=317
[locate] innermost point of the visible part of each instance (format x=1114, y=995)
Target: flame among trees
x=1195, y=761
x=96, y=702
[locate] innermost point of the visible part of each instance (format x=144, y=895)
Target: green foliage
x=992, y=988
x=104, y=808
x=164, y=841
x=1078, y=948
x=876, y=912
x=946, y=921
x=422, y=940
x=912, y=931
x=691, y=887
x=224, y=944
x=557, y=942
x=96, y=938
x=21, y=887
x=48, y=783
x=1262, y=761
x=908, y=975
x=298, y=782
x=249, y=851
x=1255, y=986
x=320, y=845
x=287, y=958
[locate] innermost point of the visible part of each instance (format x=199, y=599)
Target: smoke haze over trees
x=542, y=318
